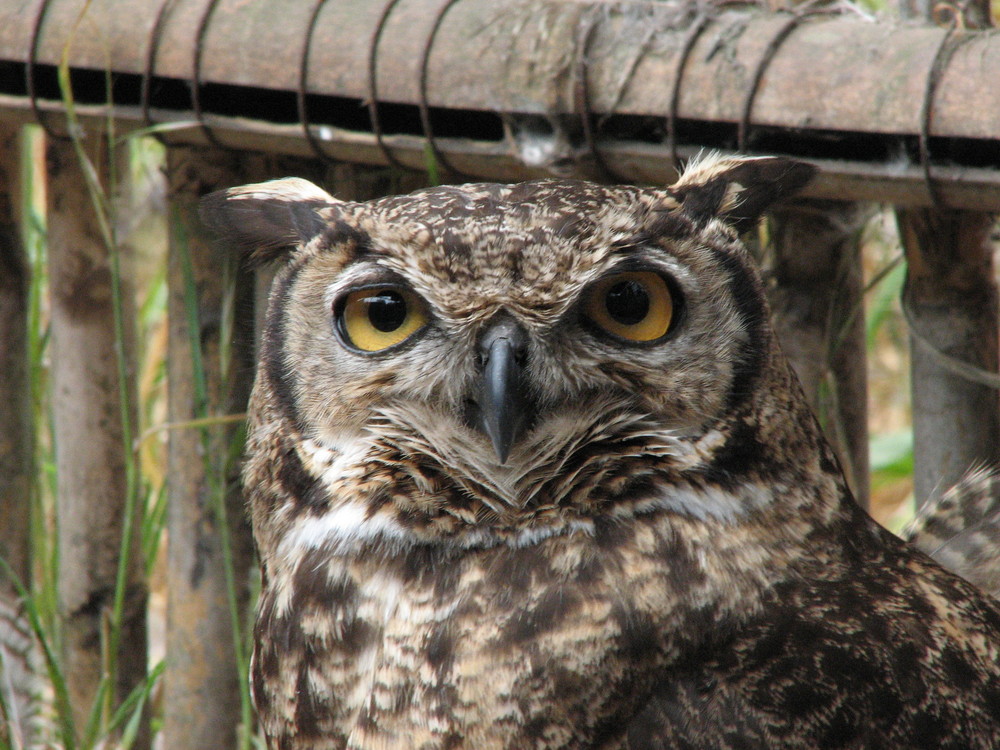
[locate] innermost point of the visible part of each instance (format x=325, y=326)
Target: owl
x=527, y=469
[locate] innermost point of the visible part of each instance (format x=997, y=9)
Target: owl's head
x=492, y=355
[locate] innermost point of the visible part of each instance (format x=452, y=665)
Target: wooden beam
x=951, y=298
x=17, y=442
x=898, y=183
x=818, y=308
x=833, y=73
x=841, y=91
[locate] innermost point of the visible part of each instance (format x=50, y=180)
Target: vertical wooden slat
x=819, y=317
x=16, y=443
x=951, y=296
x=201, y=685
x=952, y=301
x=209, y=372
x=88, y=434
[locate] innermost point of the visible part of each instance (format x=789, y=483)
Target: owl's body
x=527, y=470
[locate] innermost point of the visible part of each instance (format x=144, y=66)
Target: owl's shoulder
x=884, y=649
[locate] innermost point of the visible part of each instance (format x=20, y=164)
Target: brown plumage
x=527, y=470
x=960, y=528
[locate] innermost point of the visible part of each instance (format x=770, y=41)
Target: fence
x=894, y=112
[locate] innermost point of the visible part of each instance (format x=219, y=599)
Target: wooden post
x=89, y=431
x=210, y=372
x=952, y=301
x=819, y=318
x=16, y=449
x=951, y=296
x=211, y=289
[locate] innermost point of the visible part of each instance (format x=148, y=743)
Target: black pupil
x=386, y=310
x=627, y=303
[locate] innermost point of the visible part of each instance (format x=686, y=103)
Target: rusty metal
x=196, y=76
x=31, y=63
x=152, y=45
x=692, y=35
x=795, y=17
x=941, y=55
x=372, y=101
x=300, y=93
x=581, y=96
x=425, y=116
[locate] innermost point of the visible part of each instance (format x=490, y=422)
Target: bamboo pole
x=90, y=427
x=951, y=299
x=209, y=371
x=203, y=679
x=839, y=90
x=16, y=448
x=834, y=73
x=894, y=182
x=819, y=318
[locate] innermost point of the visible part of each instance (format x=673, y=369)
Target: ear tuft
x=269, y=218
x=738, y=190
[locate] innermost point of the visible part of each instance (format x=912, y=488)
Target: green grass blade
x=128, y=716
x=153, y=524
x=215, y=475
x=96, y=720
x=103, y=211
x=64, y=708
x=432, y=166
x=888, y=287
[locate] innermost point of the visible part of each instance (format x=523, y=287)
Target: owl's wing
x=695, y=712
x=882, y=654
x=844, y=690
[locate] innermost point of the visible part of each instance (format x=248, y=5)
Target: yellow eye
x=376, y=318
x=635, y=305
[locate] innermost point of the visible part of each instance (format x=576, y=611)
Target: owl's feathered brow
x=531, y=520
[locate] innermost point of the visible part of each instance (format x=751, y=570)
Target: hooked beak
x=504, y=407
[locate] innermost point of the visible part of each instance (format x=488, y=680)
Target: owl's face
x=517, y=316
x=505, y=341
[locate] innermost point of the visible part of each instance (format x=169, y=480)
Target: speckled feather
x=669, y=558
x=960, y=528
